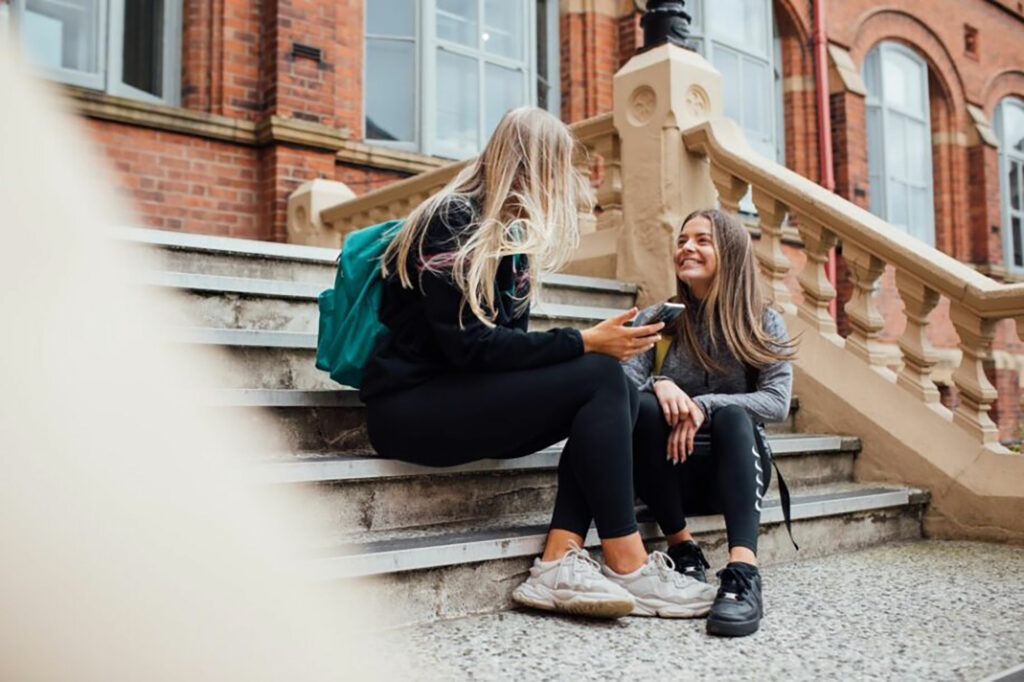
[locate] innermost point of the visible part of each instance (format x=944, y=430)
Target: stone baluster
x=919, y=357
x=731, y=189
x=583, y=160
x=975, y=390
x=865, y=319
x=818, y=291
x=609, y=192
x=774, y=263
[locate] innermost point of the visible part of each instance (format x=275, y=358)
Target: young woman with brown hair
x=700, y=445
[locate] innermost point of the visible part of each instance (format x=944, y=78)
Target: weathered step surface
x=361, y=493
x=331, y=421
x=923, y=610
x=452, y=570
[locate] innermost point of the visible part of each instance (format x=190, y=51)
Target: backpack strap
x=660, y=352
x=752, y=375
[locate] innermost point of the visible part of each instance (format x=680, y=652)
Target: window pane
x=1018, y=250
x=728, y=63
x=457, y=21
x=744, y=22
x=919, y=159
x=390, y=89
x=504, y=91
x=1014, y=185
x=503, y=28
x=875, y=160
x=920, y=213
x=902, y=77
x=896, y=150
x=898, y=203
x=143, y=48
x=458, y=98
x=62, y=34
x=756, y=86
x=391, y=17
x=1012, y=123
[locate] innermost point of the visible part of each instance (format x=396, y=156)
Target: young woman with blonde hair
x=458, y=377
x=700, y=445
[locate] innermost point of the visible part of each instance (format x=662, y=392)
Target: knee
x=648, y=412
x=730, y=419
x=603, y=372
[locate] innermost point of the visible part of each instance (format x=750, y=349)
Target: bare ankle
x=624, y=555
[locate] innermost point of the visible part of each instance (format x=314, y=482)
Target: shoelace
x=662, y=564
x=580, y=560
x=734, y=581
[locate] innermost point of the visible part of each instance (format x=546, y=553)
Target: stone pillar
x=657, y=94
x=304, y=206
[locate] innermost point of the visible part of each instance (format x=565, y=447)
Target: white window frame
x=427, y=45
x=874, y=60
x=1006, y=157
x=109, y=41
x=772, y=61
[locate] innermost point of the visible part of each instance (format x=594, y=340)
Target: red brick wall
x=179, y=182
x=589, y=60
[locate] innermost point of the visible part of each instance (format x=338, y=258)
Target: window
x=747, y=54
x=899, y=139
x=129, y=48
x=1009, y=122
x=439, y=74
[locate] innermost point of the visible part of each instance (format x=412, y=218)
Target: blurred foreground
x=135, y=543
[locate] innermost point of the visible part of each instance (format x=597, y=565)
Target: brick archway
x=948, y=109
x=1008, y=83
x=798, y=96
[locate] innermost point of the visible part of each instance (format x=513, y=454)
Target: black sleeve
x=473, y=345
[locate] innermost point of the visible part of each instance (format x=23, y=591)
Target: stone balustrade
x=599, y=158
x=923, y=274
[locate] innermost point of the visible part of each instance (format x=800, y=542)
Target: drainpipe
x=826, y=173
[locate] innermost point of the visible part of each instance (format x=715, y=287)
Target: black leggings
x=730, y=480
x=459, y=418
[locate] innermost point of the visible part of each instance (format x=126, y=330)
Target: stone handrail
x=596, y=134
x=923, y=274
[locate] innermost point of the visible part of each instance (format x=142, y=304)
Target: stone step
x=284, y=359
x=362, y=493
x=331, y=421
x=217, y=302
x=231, y=257
x=452, y=570
x=257, y=303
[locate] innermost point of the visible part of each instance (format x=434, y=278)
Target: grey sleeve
x=638, y=368
x=770, y=400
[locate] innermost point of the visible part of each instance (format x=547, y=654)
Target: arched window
x=1009, y=122
x=899, y=139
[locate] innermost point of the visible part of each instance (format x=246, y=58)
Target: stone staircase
x=453, y=541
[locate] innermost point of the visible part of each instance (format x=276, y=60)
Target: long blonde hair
x=733, y=308
x=525, y=196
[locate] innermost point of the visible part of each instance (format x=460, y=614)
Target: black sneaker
x=689, y=559
x=738, y=607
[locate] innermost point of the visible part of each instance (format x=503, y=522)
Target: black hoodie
x=424, y=337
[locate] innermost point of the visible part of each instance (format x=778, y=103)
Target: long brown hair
x=733, y=308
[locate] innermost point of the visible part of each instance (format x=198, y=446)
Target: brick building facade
x=259, y=97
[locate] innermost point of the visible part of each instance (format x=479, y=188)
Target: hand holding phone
x=667, y=313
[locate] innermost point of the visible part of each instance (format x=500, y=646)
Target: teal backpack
x=349, y=326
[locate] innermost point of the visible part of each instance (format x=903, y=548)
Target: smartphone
x=666, y=312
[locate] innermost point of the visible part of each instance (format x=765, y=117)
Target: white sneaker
x=573, y=584
x=659, y=590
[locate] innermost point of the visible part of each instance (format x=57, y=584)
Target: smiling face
x=696, y=258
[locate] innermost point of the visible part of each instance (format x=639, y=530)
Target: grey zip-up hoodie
x=769, y=402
